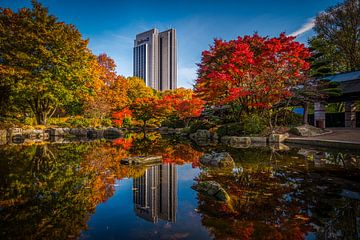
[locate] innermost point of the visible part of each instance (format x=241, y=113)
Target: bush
x=173, y=122
x=29, y=121
x=60, y=122
x=286, y=117
x=253, y=124
x=201, y=124
x=231, y=129
x=106, y=122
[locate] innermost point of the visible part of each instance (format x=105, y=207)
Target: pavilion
x=349, y=82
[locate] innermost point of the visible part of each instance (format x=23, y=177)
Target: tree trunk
x=306, y=113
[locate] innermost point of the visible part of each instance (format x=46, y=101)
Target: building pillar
x=319, y=115
x=350, y=114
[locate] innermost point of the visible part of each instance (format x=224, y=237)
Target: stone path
x=346, y=138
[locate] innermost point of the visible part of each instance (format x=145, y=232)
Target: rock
x=13, y=131
x=34, y=134
x=58, y=131
x=278, y=138
x=212, y=189
x=178, y=130
x=201, y=137
x=18, y=138
x=163, y=129
x=141, y=160
x=3, y=134
x=79, y=131
x=112, y=133
x=236, y=142
x=218, y=160
x=200, y=134
x=279, y=147
x=307, y=131
x=258, y=139
x=94, y=134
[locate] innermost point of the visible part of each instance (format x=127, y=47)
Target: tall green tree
x=45, y=62
x=339, y=29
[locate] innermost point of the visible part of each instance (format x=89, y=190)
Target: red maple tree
x=252, y=71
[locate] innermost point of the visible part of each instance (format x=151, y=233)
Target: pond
x=80, y=190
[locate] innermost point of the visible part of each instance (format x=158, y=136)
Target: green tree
x=339, y=28
x=138, y=89
x=46, y=62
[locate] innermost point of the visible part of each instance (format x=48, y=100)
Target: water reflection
x=286, y=196
x=155, y=193
x=52, y=191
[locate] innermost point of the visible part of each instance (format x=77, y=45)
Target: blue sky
x=111, y=25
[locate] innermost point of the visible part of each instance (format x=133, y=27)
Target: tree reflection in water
x=283, y=196
x=50, y=191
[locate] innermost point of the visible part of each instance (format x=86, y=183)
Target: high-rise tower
x=155, y=58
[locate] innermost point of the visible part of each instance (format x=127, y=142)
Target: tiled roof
x=343, y=77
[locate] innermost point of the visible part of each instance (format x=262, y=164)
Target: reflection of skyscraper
x=155, y=193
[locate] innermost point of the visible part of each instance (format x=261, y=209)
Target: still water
x=81, y=191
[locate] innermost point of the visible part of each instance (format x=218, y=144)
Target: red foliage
x=253, y=71
x=121, y=115
x=124, y=143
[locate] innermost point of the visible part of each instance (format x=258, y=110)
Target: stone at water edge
x=200, y=134
x=223, y=160
x=141, y=160
x=236, y=142
x=307, y=131
x=212, y=189
x=278, y=138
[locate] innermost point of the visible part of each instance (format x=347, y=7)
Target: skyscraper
x=155, y=58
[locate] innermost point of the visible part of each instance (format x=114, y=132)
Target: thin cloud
x=304, y=28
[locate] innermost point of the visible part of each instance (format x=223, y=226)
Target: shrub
x=61, y=122
x=29, y=121
x=106, y=122
x=231, y=129
x=201, y=124
x=286, y=117
x=253, y=124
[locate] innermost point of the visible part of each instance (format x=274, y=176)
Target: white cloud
x=304, y=28
x=186, y=76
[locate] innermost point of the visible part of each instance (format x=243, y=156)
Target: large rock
x=307, y=131
x=212, y=189
x=18, y=138
x=35, y=134
x=58, y=131
x=141, y=160
x=236, y=142
x=278, y=138
x=79, y=131
x=95, y=133
x=200, y=134
x=14, y=131
x=258, y=139
x=217, y=160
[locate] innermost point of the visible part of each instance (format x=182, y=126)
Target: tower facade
x=155, y=58
x=155, y=193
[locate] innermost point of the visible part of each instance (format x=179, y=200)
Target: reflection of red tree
x=258, y=209
x=180, y=154
x=125, y=143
